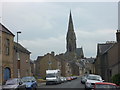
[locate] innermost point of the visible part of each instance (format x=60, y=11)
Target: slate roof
x=32, y=62
x=21, y=48
x=4, y=29
x=79, y=52
x=61, y=57
x=90, y=60
x=39, y=58
x=82, y=64
x=71, y=62
x=102, y=48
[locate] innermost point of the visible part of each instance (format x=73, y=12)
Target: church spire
x=70, y=26
x=71, y=38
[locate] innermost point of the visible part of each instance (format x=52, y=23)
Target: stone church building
x=72, y=54
x=71, y=46
x=66, y=62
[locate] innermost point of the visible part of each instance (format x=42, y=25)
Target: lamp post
x=18, y=58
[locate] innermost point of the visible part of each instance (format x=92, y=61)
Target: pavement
x=41, y=84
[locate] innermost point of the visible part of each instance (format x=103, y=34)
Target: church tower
x=71, y=38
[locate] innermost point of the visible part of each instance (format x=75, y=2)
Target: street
x=41, y=44
x=69, y=84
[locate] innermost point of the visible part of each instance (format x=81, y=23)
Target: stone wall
x=25, y=69
x=46, y=62
x=0, y=56
x=25, y=64
x=7, y=60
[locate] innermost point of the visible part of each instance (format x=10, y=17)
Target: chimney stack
x=53, y=53
x=118, y=36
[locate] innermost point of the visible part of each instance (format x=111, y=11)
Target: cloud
x=85, y=39
x=27, y=16
x=89, y=40
x=101, y=34
x=42, y=46
x=44, y=25
x=31, y=18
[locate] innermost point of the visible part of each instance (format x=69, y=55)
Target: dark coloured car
x=30, y=82
x=74, y=77
x=15, y=83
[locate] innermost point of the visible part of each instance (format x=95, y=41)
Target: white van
x=53, y=76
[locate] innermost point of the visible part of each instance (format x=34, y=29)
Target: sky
x=44, y=25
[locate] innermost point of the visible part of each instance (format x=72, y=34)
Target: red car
x=69, y=78
x=104, y=85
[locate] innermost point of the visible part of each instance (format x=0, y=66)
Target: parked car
x=65, y=79
x=91, y=80
x=30, y=82
x=15, y=83
x=74, y=77
x=83, y=79
x=105, y=85
x=62, y=79
x=69, y=78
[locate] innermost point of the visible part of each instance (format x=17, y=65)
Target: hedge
x=116, y=79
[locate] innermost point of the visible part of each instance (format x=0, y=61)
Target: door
x=7, y=73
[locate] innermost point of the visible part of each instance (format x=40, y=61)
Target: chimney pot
x=118, y=36
x=52, y=53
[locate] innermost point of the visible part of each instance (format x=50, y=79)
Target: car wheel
x=35, y=87
x=86, y=88
x=47, y=83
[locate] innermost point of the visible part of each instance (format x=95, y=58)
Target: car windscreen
x=12, y=82
x=50, y=75
x=98, y=78
x=28, y=79
x=105, y=86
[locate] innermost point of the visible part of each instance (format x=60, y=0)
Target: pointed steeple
x=71, y=38
x=70, y=26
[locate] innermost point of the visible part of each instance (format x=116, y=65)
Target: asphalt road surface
x=69, y=84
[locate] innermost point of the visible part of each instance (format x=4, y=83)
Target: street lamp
x=18, y=58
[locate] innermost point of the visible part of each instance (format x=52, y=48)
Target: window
x=7, y=46
x=110, y=72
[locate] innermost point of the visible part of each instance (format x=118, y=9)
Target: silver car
x=92, y=79
x=83, y=79
x=14, y=83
